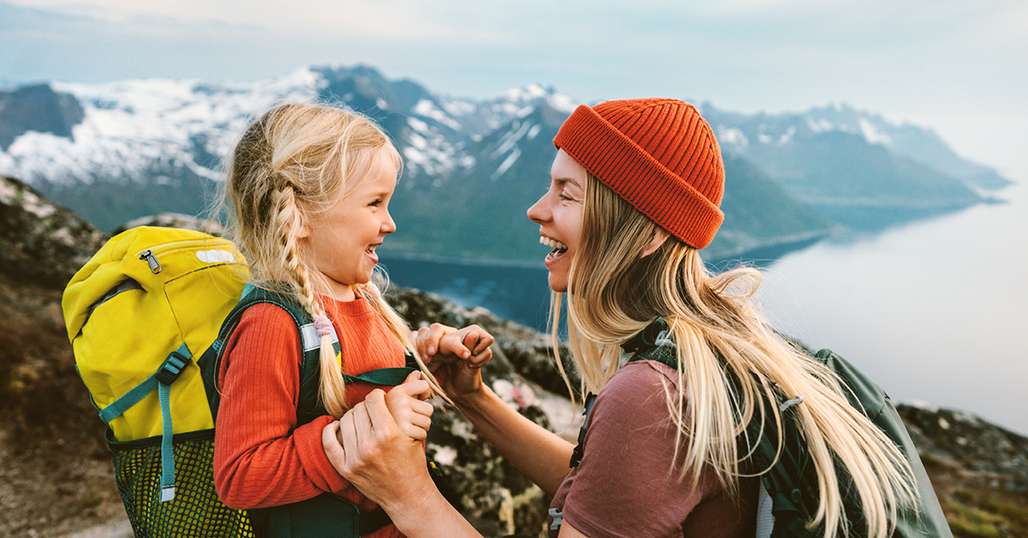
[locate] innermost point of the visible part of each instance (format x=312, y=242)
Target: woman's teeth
x=555, y=246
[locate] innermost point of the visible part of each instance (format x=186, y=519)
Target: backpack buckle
x=173, y=366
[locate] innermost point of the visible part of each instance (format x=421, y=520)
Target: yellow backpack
x=139, y=315
x=148, y=317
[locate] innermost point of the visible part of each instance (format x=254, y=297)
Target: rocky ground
x=55, y=471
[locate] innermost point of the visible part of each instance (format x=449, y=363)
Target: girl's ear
x=305, y=231
x=659, y=236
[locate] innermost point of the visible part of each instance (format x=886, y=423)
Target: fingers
x=348, y=433
x=362, y=424
x=453, y=343
x=481, y=359
x=415, y=386
x=333, y=447
x=422, y=408
x=418, y=427
x=485, y=340
x=412, y=416
x=427, y=339
x=479, y=342
x=421, y=344
x=378, y=411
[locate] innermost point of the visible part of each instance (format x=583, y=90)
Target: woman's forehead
x=566, y=169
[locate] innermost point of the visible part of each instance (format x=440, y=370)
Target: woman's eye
x=563, y=196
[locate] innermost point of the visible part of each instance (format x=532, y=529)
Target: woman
x=634, y=196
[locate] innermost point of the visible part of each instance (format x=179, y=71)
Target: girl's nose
x=389, y=226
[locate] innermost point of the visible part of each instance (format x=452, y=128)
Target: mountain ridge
x=150, y=146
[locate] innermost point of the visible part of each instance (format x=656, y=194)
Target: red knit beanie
x=660, y=155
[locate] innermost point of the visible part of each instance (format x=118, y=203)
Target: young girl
x=310, y=187
x=634, y=195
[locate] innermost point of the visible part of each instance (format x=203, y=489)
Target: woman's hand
x=455, y=356
x=406, y=404
x=369, y=448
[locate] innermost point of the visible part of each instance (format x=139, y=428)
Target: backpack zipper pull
x=151, y=260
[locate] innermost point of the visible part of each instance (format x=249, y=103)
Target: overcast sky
x=959, y=67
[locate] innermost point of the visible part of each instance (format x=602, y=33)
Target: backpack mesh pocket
x=195, y=510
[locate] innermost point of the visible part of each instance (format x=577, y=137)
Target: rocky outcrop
x=979, y=470
x=43, y=243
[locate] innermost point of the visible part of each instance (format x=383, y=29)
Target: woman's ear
x=659, y=236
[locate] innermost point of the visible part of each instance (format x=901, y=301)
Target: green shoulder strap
x=310, y=367
x=325, y=514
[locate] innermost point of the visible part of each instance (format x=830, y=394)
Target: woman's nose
x=538, y=213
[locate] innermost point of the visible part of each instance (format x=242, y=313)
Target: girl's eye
x=376, y=203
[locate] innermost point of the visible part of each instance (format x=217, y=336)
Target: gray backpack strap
x=765, y=516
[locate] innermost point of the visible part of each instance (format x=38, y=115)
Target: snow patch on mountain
x=510, y=139
x=430, y=152
x=732, y=136
x=428, y=109
x=872, y=134
x=129, y=126
x=507, y=163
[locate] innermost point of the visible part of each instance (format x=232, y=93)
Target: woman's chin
x=558, y=283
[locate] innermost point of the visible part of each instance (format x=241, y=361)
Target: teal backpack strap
x=161, y=380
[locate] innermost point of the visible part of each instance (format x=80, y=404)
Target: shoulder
x=264, y=329
x=632, y=409
x=267, y=313
x=639, y=385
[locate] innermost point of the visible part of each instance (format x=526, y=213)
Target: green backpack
x=789, y=493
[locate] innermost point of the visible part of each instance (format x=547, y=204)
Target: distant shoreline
x=764, y=252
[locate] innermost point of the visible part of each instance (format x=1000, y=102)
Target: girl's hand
x=455, y=356
x=406, y=404
x=368, y=448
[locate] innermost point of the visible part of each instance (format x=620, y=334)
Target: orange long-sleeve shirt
x=261, y=457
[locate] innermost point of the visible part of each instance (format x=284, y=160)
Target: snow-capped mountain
x=749, y=134
x=116, y=151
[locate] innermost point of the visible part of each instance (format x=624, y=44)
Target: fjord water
x=935, y=311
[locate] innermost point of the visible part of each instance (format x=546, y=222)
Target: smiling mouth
x=370, y=251
x=557, y=249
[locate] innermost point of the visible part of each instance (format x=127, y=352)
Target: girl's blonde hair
x=614, y=292
x=293, y=162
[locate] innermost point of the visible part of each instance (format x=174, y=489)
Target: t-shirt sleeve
x=625, y=485
x=261, y=458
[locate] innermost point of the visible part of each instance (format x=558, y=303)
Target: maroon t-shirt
x=625, y=486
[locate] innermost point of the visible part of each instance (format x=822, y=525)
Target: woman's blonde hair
x=614, y=292
x=295, y=161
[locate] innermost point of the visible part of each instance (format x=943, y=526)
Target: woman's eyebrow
x=562, y=180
